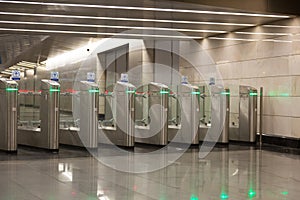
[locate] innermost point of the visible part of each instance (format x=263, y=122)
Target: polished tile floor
x=236, y=173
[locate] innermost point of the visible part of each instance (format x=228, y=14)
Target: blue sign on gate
x=16, y=75
x=91, y=77
x=54, y=76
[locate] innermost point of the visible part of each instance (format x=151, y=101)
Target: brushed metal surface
x=8, y=111
x=87, y=133
x=247, y=115
x=159, y=116
x=123, y=132
x=188, y=108
x=221, y=98
x=89, y=106
x=47, y=137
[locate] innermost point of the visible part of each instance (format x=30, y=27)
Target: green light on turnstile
x=284, y=94
x=224, y=196
x=253, y=94
x=94, y=91
x=251, y=193
x=11, y=89
x=130, y=91
x=54, y=90
x=196, y=93
x=225, y=93
x=164, y=92
x=278, y=94
x=285, y=193
x=194, y=197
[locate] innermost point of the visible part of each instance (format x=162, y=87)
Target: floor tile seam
x=25, y=189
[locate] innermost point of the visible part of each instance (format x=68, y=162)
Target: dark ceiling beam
x=291, y=7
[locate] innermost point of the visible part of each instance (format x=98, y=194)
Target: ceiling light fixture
x=5, y=72
x=250, y=40
x=279, y=26
x=282, y=41
x=100, y=33
x=260, y=33
x=127, y=19
x=233, y=39
x=147, y=9
x=113, y=27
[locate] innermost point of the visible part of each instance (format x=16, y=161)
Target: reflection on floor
x=236, y=173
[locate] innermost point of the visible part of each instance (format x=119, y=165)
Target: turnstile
x=82, y=132
x=245, y=130
x=185, y=124
x=216, y=104
x=155, y=127
x=46, y=134
x=120, y=129
x=8, y=111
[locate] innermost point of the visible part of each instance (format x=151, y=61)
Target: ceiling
x=38, y=29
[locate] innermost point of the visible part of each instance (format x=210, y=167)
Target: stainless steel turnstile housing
x=8, y=111
x=47, y=135
x=220, y=103
x=156, y=132
x=187, y=114
x=122, y=133
x=247, y=126
x=86, y=135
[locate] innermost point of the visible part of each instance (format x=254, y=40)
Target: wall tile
x=296, y=86
x=295, y=107
x=278, y=66
x=296, y=127
x=277, y=106
x=273, y=49
x=277, y=125
x=294, y=64
x=276, y=85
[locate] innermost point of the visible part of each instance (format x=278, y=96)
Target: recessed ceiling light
x=113, y=27
x=272, y=40
x=8, y=73
x=146, y=9
x=127, y=19
x=100, y=33
x=250, y=40
x=233, y=39
x=280, y=26
x=261, y=33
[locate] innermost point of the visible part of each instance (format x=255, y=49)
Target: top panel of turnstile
x=217, y=89
x=124, y=86
x=47, y=84
x=188, y=88
x=247, y=89
x=90, y=84
x=6, y=83
x=158, y=85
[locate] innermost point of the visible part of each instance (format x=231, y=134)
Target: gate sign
x=91, y=77
x=16, y=75
x=124, y=78
x=54, y=76
x=212, y=81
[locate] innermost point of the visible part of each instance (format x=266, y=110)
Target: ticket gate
x=245, y=130
x=119, y=130
x=8, y=110
x=42, y=133
x=154, y=127
x=217, y=105
x=82, y=132
x=185, y=124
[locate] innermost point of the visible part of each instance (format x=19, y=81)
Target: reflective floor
x=236, y=173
